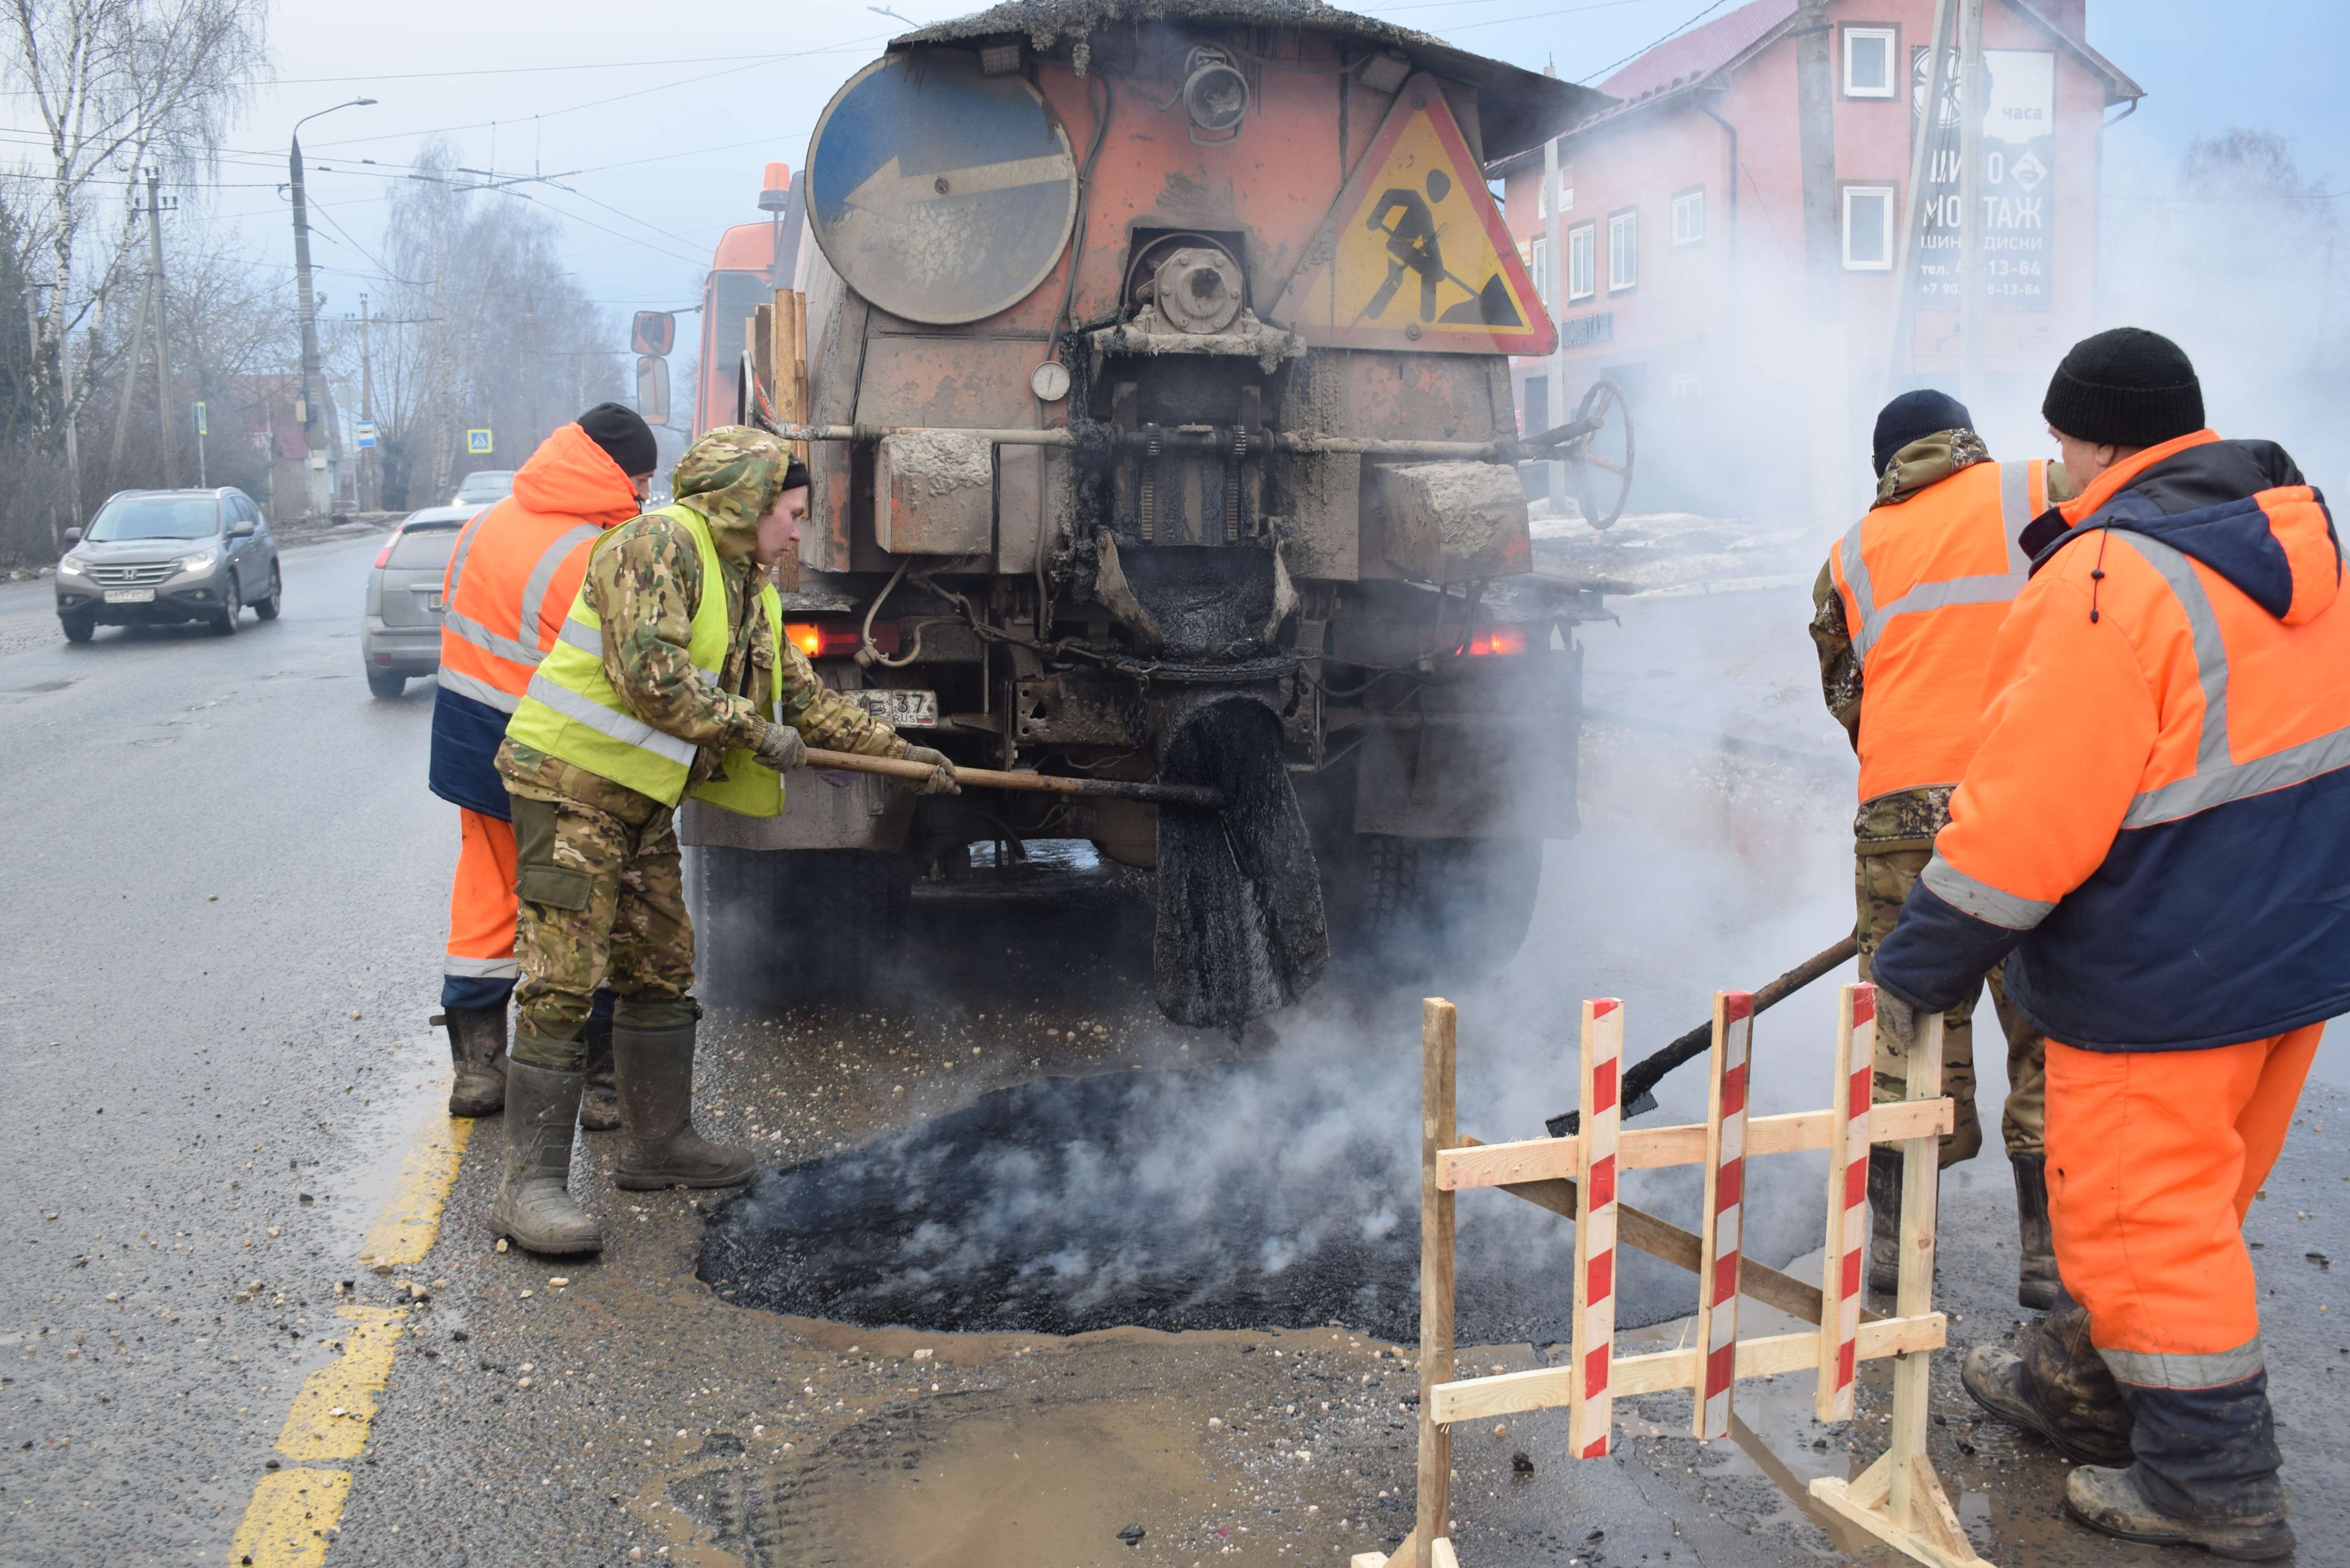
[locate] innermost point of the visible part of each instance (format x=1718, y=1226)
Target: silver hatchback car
x=150, y=557
x=401, y=635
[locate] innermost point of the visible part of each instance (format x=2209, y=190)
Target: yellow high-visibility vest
x=572, y=711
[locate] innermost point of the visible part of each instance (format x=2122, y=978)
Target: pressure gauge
x=1050, y=382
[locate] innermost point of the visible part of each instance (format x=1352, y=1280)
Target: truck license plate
x=899, y=710
x=131, y=596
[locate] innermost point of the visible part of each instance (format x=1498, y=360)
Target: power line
x=1668, y=37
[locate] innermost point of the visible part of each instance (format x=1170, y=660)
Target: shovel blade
x=1240, y=932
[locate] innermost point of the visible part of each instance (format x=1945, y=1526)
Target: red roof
x=1689, y=60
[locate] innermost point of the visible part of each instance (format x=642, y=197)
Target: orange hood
x=571, y=475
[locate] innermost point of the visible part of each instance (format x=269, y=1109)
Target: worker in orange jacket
x=1905, y=611
x=512, y=576
x=2155, y=834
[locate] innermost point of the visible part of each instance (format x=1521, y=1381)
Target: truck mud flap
x=1241, y=931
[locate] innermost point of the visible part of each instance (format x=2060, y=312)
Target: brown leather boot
x=2037, y=1282
x=2059, y=1387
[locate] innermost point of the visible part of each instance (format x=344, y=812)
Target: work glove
x=781, y=748
x=1897, y=1017
x=942, y=774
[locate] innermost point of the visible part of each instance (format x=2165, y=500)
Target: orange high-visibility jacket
x=2158, y=823
x=512, y=577
x=1925, y=587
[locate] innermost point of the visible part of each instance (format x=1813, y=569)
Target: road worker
x=511, y=577
x=2156, y=829
x=1905, y=609
x=671, y=677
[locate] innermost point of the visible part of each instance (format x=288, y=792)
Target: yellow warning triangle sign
x=1414, y=254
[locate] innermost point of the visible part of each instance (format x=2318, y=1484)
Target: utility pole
x=1823, y=261
x=321, y=483
x=1929, y=124
x=1971, y=87
x=129, y=383
x=1555, y=413
x=162, y=338
x=367, y=497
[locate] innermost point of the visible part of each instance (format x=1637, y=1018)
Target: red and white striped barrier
x=1725, y=1187
x=1847, y=1238
x=1594, y=1410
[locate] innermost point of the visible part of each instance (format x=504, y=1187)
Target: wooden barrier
x=1899, y=1499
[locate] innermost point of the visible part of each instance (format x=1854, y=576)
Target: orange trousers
x=481, y=908
x=2153, y=1159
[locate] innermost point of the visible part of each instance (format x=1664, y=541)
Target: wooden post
x=1847, y=1242
x=1438, y=1053
x=761, y=333
x=1592, y=1412
x=1921, y=1179
x=1725, y=1183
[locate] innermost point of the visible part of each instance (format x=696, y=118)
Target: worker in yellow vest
x=671, y=677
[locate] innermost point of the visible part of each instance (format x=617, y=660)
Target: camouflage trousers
x=602, y=903
x=1881, y=880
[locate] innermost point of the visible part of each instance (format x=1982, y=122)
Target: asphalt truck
x=1152, y=368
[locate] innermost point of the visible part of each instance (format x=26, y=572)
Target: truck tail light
x=384, y=557
x=1507, y=638
x=836, y=638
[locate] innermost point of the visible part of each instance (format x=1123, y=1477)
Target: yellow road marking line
x=291, y=1513
x=286, y=1524
x=403, y=1233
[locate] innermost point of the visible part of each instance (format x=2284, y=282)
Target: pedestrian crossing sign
x=477, y=442
x=1414, y=254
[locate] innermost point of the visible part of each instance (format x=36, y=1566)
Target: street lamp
x=319, y=480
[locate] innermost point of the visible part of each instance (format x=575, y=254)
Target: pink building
x=1682, y=231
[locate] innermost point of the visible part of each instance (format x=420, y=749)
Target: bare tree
x=119, y=84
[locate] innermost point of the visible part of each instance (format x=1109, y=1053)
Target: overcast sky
x=657, y=118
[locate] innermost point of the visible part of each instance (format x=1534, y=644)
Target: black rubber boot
x=477, y=1048
x=534, y=1207
x=1884, y=1220
x=653, y=1058
x=600, y=1107
x=2059, y=1387
x=2115, y=1502
x=2037, y=1282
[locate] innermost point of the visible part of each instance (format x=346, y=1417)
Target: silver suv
x=400, y=636
x=153, y=557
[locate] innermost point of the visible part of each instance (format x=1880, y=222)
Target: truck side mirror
x=652, y=390
x=73, y=535
x=655, y=332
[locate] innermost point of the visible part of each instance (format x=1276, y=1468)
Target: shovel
x=1642, y=1078
x=1199, y=795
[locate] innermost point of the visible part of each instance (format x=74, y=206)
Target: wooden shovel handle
x=1045, y=784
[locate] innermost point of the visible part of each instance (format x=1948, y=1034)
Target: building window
x=1623, y=250
x=1868, y=55
x=1582, y=279
x=1689, y=216
x=1538, y=264
x=1868, y=228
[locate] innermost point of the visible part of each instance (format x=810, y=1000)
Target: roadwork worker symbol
x=1414, y=254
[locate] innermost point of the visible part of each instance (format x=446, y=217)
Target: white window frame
x=1891, y=38
x=1537, y=264
x=1885, y=243
x=1692, y=200
x=1624, y=258
x=1583, y=261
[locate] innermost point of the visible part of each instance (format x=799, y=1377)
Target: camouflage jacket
x=1907, y=819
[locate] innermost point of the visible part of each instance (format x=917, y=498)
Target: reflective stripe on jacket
x=513, y=574
x=2158, y=823
x=572, y=711
x=1924, y=586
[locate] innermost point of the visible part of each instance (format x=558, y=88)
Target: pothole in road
x=1267, y=1194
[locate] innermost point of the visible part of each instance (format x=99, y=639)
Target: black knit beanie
x=625, y=437
x=795, y=476
x=2127, y=387
x=1913, y=416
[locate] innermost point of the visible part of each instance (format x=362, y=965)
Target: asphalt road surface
x=226, y=887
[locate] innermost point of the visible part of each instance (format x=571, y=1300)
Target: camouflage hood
x=732, y=476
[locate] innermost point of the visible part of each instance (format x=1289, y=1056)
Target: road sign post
x=200, y=433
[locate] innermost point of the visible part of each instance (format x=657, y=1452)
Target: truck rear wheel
x=1428, y=906
x=789, y=927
